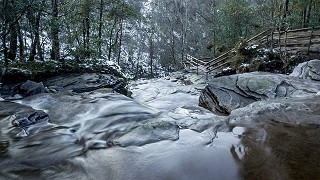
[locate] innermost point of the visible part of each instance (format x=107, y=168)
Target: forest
x=140, y=35
x=159, y=89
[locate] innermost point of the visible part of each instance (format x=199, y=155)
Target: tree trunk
x=120, y=40
x=309, y=12
x=88, y=32
x=55, y=51
x=151, y=54
x=304, y=17
x=37, y=36
x=286, y=8
x=173, y=44
x=85, y=34
x=34, y=18
x=13, y=41
x=100, y=28
x=33, y=50
x=4, y=32
x=110, y=39
x=86, y=27
x=21, y=44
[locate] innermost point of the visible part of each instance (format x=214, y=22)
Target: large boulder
x=308, y=70
x=224, y=94
x=18, y=91
x=33, y=118
x=30, y=88
x=294, y=111
x=86, y=82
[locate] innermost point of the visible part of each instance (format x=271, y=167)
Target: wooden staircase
x=303, y=41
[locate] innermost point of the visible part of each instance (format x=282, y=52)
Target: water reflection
x=285, y=152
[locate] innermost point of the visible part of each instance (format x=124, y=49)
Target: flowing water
x=75, y=143
x=109, y=136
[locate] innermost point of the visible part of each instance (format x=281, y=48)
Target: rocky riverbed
x=256, y=126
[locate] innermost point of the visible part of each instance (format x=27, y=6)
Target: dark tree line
x=140, y=34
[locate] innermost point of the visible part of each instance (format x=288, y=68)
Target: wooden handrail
x=224, y=54
x=297, y=30
x=216, y=67
x=218, y=61
x=195, y=60
x=258, y=35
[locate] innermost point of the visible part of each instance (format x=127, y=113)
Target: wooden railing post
x=310, y=40
x=279, y=41
x=272, y=38
x=285, y=46
x=197, y=69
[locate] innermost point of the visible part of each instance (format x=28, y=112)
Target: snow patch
x=254, y=46
x=244, y=65
x=227, y=69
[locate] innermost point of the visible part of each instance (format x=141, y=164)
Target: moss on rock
x=38, y=71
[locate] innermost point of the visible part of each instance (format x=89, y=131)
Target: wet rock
x=195, y=118
x=79, y=83
x=294, y=111
x=9, y=91
x=13, y=97
x=35, y=117
x=178, y=101
x=18, y=91
x=36, y=122
x=77, y=125
x=149, y=133
x=120, y=87
x=308, y=70
x=99, y=118
x=224, y=94
x=30, y=88
x=55, y=89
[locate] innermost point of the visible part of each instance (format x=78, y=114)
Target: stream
x=161, y=133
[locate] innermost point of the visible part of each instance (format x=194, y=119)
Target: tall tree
x=4, y=8
x=34, y=16
x=55, y=50
x=85, y=11
x=100, y=40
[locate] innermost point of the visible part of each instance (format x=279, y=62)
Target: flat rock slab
x=294, y=111
x=79, y=83
x=224, y=94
